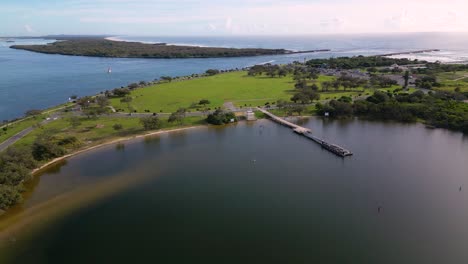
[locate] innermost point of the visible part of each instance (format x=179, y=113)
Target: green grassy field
x=451, y=80
x=230, y=87
x=95, y=131
x=235, y=87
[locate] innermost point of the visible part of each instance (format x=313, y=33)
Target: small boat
x=109, y=70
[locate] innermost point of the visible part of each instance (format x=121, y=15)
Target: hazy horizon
x=228, y=18
x=240, y=35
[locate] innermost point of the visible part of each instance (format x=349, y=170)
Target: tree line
x=437, y=109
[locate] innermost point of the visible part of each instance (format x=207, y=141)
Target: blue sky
x=223, y=17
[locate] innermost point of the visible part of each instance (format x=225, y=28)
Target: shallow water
x=258, y=193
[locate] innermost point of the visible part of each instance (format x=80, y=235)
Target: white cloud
x=28, y=28
x=240, y=17
x=228, y=24
x=212, y=27
x=144, y=19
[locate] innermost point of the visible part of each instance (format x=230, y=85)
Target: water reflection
x=120, y=147
x=56, y=167
x=258, y=188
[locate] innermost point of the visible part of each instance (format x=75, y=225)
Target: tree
x=282, y=72
x=406, y=77
x=45, y=147
x=33, y=112
x=220, y=117
x=85, y=102
x=212, y=72
x=17, y=155
x=133, y=86
x=312, y=74
x=121, y=92
x=150, y=122
x=382, y=81
x=175, y=117
x=126, y=99
x=296, y=109
x=9, y=196
x=117, y=127
x=102, y=101
x=378, y=97
x=74, y=121
x=281, y=104
x=326, y=86
x=166, y=78
x=272, y=70
x=91, y=112
x=301, y=84
x=204, y=102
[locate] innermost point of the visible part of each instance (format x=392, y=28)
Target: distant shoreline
x=114, y=47
x=105, y=47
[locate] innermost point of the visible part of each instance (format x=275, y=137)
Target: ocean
x=35, y=81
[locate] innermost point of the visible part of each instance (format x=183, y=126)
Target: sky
x=226, y=17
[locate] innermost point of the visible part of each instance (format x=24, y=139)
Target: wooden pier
x=335, y=149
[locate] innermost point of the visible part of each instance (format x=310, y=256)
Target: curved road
x=5, y=144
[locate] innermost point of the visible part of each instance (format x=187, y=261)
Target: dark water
x=31, y=80
x=258, y=193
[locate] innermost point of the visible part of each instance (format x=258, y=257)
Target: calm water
x=30, y=80
x=207, y=201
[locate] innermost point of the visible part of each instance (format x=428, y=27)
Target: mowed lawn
x=234, y=87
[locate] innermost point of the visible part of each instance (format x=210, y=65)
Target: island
x=101, y=47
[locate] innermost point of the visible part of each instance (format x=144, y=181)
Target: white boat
x=109, y=70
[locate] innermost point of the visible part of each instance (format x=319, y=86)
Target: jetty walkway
x=306, y=132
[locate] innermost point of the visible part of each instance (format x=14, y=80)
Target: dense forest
x=120, y=49
x=360, y=62
x=437, y=109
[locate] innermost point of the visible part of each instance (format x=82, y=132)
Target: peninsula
x=365, y=87
x=99, y=47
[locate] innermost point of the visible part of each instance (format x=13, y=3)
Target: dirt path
x=461, y=78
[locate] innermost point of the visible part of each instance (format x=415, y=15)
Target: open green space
x=453, y=80
x=93, y=131
x=236, y=87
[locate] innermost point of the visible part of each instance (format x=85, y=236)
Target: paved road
x=5, y=144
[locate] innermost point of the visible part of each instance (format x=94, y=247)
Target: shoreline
x=115, y=141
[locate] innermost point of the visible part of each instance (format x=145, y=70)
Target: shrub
x=117, y=127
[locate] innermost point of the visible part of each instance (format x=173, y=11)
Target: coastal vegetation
x=317, y=87
x=436, y=109
x=221, y=117
x=121, y=49
x=359, y=62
